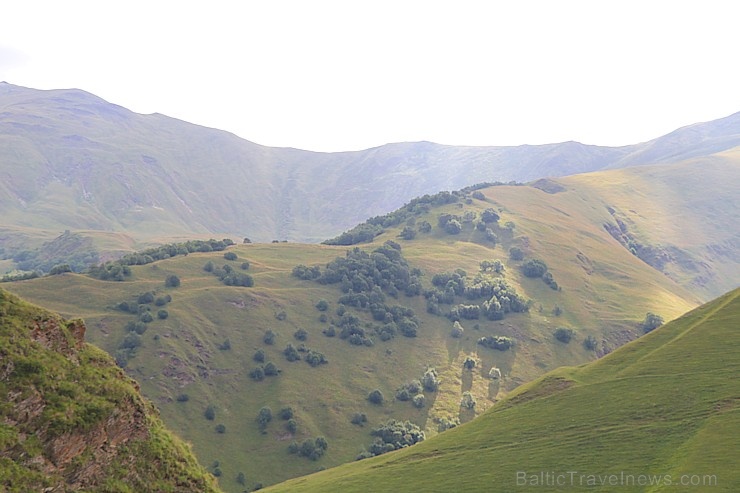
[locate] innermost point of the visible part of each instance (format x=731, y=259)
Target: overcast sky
x=348, y=75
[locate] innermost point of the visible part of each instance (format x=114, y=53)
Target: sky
x=349, y=75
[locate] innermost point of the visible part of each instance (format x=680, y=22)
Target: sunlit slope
x=605, y=293
x=685, y=215
x=663, y=408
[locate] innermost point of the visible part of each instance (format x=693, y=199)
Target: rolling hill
x=72, y=161
x=659, y=414
x=70, y=420
x=199, y=359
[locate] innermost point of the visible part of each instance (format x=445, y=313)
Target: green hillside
x=70, y=420
x=659, y=414
x=72, y=161
x=200, y=353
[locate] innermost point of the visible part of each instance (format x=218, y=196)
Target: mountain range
x=72, y=161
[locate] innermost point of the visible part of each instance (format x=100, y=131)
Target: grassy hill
x=72, y=161
x=70, y=419
x=659, y=414
x=201, y=354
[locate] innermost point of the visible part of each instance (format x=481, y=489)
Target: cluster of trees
x=110, y=271
x=310, y=448
x=311, y=356
x=228, y=275
x=72, y=250
x=651, y=322
x=374, y=226
x=409, y=391
x=269, y=369
x=502, y=343
x=563, y=334
x=500, y=298
x=538, y=268
x=391, y=436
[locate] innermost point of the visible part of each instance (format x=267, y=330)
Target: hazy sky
x=346, y=75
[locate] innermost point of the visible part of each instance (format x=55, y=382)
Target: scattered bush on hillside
x=245, y=265
x=300, y=334
x=651, y=322
x=291, y=426
x=418, y=401
x=494, y=373
x=424, y=227
x=257, y=374
x=322, y=305
x=408, y=233
x=291, y=353
x=60, y=269
x=457, y=330
x=209, y=266
x=259, y=356
x=453, y=227
x=490, y=216
x=210, y=413
x=286, y=413
x=271, y=369
x=315, y=358
x=359, y=419
x=376, y=397
x=230, y=256
x=220, y=428
x=310, y=448
x=306, y=273
x=534, y=268
x=500, y=343
x=264, y=417
x=225, y=346
x=495, y=266
x=429, y=381
x=447, y=423
x=469, y=363
x=467, y=401
x=590, y=343
x=408, y=390
x=391, y=436
x=269, y=337
x=563, y=334
x=172, y=281
x=516, y=253
x=182, y=398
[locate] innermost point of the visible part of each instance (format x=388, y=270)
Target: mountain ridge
x=73, y=161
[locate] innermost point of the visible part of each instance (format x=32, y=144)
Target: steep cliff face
x=71, y=420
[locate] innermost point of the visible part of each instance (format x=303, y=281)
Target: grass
x=181, y=354
x=664, y=405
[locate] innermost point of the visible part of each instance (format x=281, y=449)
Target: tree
x=534, y=268
x=489, y=216
x=220, y=428
x=230, y=256
x=269, y=337
x=286, y=413
x=301, y=334
x=257, y=374
x=172, y=281
x=418, y=401
x=259, y=356
x=241, y=479
x=60, y=269
x=590, y=343
x=424, y=227
x=209, y=266
x=430, y=380
x=291, y=353
x=271, y=369
x=210, y=413
x=322, y=305
x=457, y=330
x=408, y=233
x=162, y=314
x=469, y=363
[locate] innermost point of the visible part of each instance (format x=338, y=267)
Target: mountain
x=72, y=161
x=70, y=419
x=659, y=414
x=200, y=347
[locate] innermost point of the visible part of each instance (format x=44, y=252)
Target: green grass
x=65, y=404
x=180, y=355
x=666, y=404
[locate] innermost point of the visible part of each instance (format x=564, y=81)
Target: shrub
x=210, y=413
x=467, y=401
x=220, y=428
x=301, y=334
x=183, y=398
x=516, y=253
x=259, y=356
x=457, y=330
x=469, y=363
x=208, y=266
x=241, y=479
x=172, y=281
x=162, y=314
x=245, y=265
x=359, y=419
x=563, y=334
x=225, y=346
x=269, y=337
x=453, y=227
x=257, y=374
x=291, y=426
x=447, y=423
x=264, y=417
x=230, y=256
x=534, y=268
x=271, y=369
x=315, y=358
x=590, y=343
x=322, y=305
x=418, y=401
x=286, y=413
x=651, y=322
x=146, y=317
x=500, y=343
x=376, y=397
x=291, y=353
x=393, y=435
x=429, y=381
x=145, y=298
x=494, y=373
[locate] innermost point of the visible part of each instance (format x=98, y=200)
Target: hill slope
x=71, y=420
x=657, y=414
x=72, y=161
x=201, y=352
